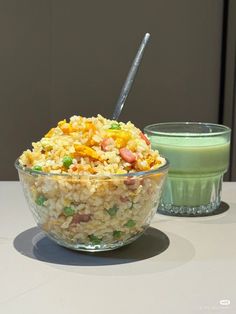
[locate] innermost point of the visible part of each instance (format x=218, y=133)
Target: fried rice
x=91, y=182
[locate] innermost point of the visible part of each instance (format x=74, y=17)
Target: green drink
x=199, y=155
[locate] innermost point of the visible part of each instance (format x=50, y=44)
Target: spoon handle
x=130, y=78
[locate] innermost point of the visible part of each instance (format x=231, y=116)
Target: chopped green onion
x=95, y=240
x=67, y=161
x=132, y=205
x=40, y=200
x=117, y=234
x=68, y=211
x=112, y=211
x=47, y=147
x=130, y=223
x=115, y=126
x=37, y=168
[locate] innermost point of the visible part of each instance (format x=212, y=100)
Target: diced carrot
x=85, y=151
x=65, y=127
x=90, y=126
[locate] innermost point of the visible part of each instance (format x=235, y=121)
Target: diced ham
x=130, y=181
x=143, y=137
x=133, y=183
x=78, y=218
x=107, y=144
x=127, y=155
x=124, y=198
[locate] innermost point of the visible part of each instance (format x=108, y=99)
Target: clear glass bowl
x=93, y=212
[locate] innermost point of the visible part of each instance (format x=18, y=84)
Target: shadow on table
x=35, y=244
x=224, y=207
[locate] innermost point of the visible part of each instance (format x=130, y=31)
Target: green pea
x=95, y=240
x=115, y=126
x=112, y=211
x=37, y=168
x=67, y=161
x=117, y=234
x=130, y=223
x=68, y=211
x=40, y=200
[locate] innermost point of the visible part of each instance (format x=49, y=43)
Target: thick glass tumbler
x=199, y=156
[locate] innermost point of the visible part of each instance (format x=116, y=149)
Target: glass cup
x=199, y=156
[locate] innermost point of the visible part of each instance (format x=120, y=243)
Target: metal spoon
x=130, y=78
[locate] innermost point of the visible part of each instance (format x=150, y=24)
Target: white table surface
x=196, y=273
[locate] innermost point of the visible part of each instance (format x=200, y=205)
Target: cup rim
x=29, y=171
x=149, y=129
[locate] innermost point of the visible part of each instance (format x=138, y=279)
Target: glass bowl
x=93, y=212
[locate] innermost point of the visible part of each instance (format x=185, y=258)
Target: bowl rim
x=29, y=171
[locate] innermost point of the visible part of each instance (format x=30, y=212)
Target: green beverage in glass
x=199, y=156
